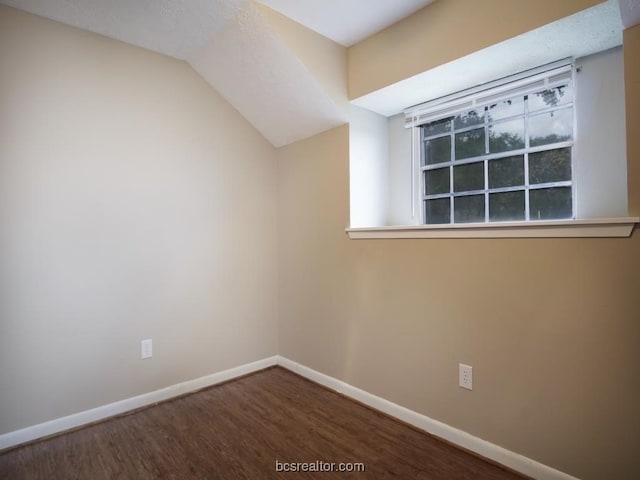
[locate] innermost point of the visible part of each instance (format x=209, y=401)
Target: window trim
x=523, y=83
x=620, y=227
x=488, y=92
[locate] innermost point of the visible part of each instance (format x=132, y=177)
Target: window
x=500, y=152
x=580, y=172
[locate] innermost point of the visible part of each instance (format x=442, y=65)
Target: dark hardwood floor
x=239, y=430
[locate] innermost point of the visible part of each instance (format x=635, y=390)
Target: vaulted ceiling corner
x=254, y=69
x=229, y=42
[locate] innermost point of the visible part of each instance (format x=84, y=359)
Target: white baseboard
x=486, y=449
x=58, y=425
x=458, y=437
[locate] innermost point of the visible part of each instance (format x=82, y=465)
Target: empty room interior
x=427, y=206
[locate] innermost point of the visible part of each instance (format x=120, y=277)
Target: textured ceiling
x=174, y=27
x=235, y=48
x=346, y=21
x=229, y=42
x=592, y=30
x=265, y=81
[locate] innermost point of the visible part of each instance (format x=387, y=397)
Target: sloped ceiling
x=235, y=48
x=172, y=27
x=229, y=42
x=253, y=68
x=346, y=21
x=589, y=31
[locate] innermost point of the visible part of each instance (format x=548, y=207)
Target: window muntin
x=509, y=159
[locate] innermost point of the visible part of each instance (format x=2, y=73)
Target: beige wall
x=443, y=31
x=134, y=203
x=551, y=326
x=632, y=93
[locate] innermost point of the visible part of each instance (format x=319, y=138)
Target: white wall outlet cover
x=465, y=376
x=146, y=348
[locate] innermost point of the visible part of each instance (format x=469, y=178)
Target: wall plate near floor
x=465, y=376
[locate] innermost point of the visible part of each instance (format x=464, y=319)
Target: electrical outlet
x=466, y=376
x=146, y=348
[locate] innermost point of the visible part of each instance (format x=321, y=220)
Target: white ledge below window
x=589, y=228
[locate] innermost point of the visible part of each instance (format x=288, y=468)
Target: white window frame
x=610, y=220
x=525, y=83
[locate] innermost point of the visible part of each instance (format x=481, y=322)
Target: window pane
x=506, y=206
x=470, y=144
x=506, y=172
x=437, y=181
x=550, y=166
x=550, y=98
x=550, y=203
x=468, y=209
x=434, y=128
x=506, y=136
x=550, y=127
x=468, y=177
x=437, y=211
x=469, y=118
x=506, y=108
x=437, y=150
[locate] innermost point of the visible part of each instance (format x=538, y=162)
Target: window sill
x=588, y=228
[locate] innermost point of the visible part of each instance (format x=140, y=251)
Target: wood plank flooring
x=239, y=430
